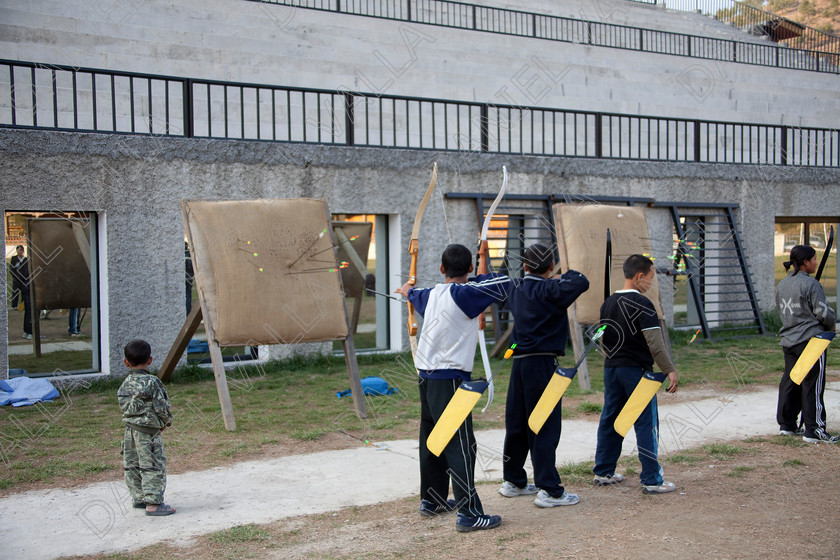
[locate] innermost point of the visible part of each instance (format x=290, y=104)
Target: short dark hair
x=636, y=264
x=798, y=255
x=18, y=247
x=137, y=352
x=538, y=257
x=456, y=260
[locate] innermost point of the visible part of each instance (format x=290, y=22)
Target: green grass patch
x=788, y=441
x=722, y=451
x=683, y=459
x=576, y=472
x=740, y=471
x=240, y=534
x=308, y=435
x=590, y=407
x=793, y=463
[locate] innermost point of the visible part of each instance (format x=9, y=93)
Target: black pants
x=528, y=379
x=27, y=313
x=806, y=398
x=458, y=458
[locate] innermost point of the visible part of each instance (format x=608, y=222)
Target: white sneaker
x=663, y=488
x=545, y=500
x=609, y=479
x=511, y=490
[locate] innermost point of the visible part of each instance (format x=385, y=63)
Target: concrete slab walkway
x=98, y=518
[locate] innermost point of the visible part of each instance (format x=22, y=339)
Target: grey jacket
x=801, y=304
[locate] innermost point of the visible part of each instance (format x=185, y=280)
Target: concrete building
x=497, y=96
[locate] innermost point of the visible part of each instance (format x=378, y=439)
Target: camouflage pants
x=145, y=466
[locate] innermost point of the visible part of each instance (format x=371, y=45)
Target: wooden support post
x=357, y=309
x=575, y=329
x=180, y=344
x=502, y=343
x=219, y=374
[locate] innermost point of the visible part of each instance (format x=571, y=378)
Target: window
x=52, y=293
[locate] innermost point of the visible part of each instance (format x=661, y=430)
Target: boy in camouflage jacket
x=145, y=413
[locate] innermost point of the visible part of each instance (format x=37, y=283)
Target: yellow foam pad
x=813, y=350
x=459, y=407
x=639, y=399
x=548, y=401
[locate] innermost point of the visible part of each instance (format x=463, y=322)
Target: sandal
x=161, y=509
x=138, y=505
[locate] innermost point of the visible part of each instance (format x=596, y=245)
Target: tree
x=806, y=8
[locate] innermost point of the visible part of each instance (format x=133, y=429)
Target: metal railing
x=51, y=97
x=459, y=15
x=759, y=22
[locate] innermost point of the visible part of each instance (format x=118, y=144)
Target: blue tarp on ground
x=23, y=391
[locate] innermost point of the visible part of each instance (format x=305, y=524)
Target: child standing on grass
x=801, y=304
x=632, y=342
x=145, y=413
x=540, y=332
x=444, y=358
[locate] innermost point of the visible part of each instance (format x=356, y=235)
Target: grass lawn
x=291, y=407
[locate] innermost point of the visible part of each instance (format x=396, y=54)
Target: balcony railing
x=459, y=15
x=42, y=96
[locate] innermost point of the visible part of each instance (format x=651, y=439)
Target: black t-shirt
x=627, y=313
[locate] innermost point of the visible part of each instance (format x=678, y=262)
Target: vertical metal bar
x=93, y=103
x=131, y=95
x=189, y=108
x=273, y=114
x=420, y=118
x=303, y=112
x=434, y=144
x=225, y=88
x=349, y=119
x=242, y=112
x=149, y=92
x=485, y=124
x=55, y=99
x=12, y=93
x=289, y=114
x=258, y=113
x=784, y=144
x=166, y=104
x=34, y=97
x=599, y=150
x=394, y=119
x=209, y=108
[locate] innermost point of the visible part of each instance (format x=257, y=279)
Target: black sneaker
x=821, y=437
x=431, y=509
x=465, y=524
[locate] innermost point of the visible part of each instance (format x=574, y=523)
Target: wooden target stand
x=199, y=313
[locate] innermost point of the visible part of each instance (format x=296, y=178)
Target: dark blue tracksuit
x=540, y=332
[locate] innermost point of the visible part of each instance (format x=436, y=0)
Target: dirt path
x=725, y=507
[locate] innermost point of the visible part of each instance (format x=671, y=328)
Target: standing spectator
x=20, y=286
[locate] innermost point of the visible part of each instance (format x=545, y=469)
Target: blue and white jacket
x=446, y=343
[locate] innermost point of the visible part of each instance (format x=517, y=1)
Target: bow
x=414, y=251
x=825, y=254
x=483, y=266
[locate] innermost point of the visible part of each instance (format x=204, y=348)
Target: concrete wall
x=136, y=184
x=260, y=43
